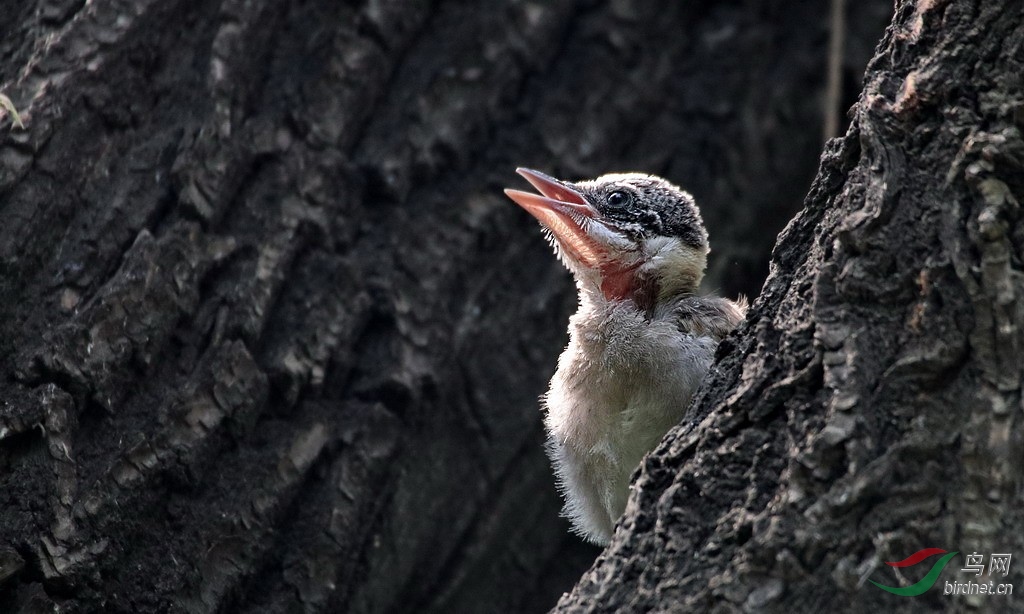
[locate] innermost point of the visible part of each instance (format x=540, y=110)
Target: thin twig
x=834, y=85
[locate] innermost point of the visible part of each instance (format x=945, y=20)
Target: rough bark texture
x=871, y=405
x=270, y=337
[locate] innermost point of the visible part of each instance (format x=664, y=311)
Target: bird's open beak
x=564, y=212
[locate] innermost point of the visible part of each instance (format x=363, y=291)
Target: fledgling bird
x=641, y=340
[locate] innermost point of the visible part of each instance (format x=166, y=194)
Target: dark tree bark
x=871, y=404
x=271, y=338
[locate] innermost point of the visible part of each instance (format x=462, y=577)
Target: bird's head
x=628, y=236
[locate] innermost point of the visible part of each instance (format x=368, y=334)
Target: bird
x=641, y=340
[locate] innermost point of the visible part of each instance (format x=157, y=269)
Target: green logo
x=926, y=582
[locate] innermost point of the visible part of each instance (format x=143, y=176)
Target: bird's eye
x=618, y=199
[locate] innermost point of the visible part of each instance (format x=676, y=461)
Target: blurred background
x=271, y=337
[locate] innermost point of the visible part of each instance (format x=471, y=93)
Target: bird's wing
x=709, y=316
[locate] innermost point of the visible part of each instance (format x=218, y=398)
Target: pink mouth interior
x=565, y=213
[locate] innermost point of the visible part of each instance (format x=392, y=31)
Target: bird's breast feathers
x=623, y=381
x=623, y=372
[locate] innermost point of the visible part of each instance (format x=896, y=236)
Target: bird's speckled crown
x=656, y=207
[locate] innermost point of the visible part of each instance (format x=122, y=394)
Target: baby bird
x=641, y=340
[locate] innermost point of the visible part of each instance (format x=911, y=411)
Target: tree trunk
x=870, y=406
x=270, y=337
